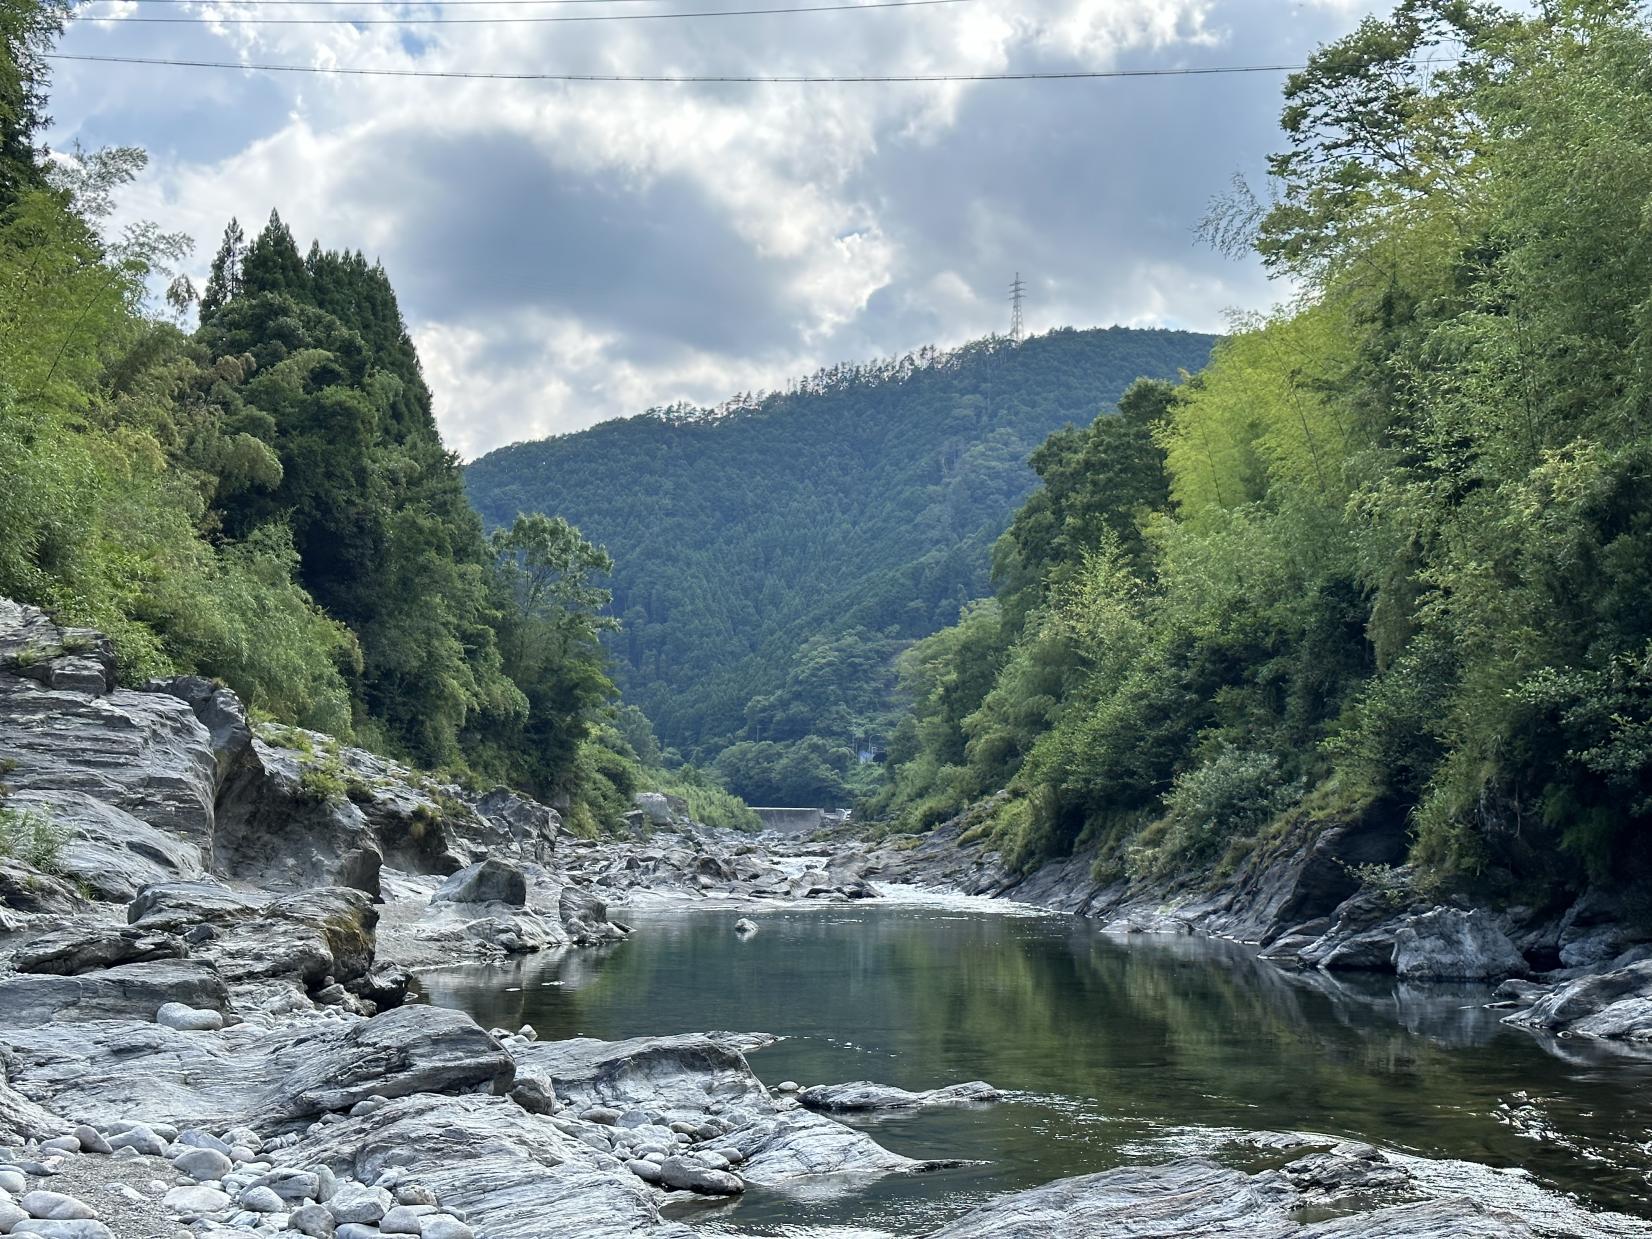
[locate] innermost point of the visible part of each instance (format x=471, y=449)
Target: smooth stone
x=684, y=1175
x=356, y=1230
x=91, y=1139
x=196, y=1201
x=139, y=1140
x=10, y=1215
x=60, y=1144
x=445, y=1226
x=600, y=1114
x=261, y=1200
x=357, y=1203
x=198, y=1139
x=312, y=1220
x=405, y=1219
x=186, y=1018
x=13, y=1181
x=79, y=1228
x=787, y=1086
x=55, y=1206
x=647, y=1171
x=200, y=1164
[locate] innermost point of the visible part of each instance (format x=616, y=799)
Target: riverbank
x=1579, y=970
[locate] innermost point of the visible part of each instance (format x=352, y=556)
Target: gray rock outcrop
x=865, y=1096
x=1201, y=1198
x=1448, y=944
x=252, y=1075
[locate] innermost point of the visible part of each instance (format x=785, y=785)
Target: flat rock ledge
x=1197, y=1197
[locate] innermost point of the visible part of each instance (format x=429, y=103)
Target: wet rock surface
x=1202, y=1198
x=865, y=1096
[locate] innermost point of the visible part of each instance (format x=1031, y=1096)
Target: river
x=1113, y=1049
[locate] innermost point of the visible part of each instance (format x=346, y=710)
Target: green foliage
x=266, y=501
x=30, y=835
x=1231, y=796
x=1394, y=551
x=773, y=556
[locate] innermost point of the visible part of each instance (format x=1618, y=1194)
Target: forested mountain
x=1391, y=552
x=773, y=556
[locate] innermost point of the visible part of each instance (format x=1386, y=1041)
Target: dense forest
x=1391, y=551
x=774, y=556
x=265, y=499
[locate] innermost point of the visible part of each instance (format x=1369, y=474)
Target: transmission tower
x=1017, y=291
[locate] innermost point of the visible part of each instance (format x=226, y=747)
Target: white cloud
x=567, y=253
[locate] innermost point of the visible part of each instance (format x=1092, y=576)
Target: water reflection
x=1116, y=1049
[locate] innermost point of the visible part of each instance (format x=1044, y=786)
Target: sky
x=566, y=253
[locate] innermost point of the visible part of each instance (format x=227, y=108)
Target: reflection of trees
x=1154, y=1032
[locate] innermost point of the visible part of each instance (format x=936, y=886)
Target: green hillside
x=772, y=557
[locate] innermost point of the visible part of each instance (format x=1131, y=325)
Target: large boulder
x=126, y=992
x=246, y=1075
x=487, y=881
x=325, y=932
x=585, y=917
x=1614, y=1005
x=517, y=825
x=1447, y=944
x=677, y=1078
x=1601, y=925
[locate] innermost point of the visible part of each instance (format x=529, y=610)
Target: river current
x=1113, y=1049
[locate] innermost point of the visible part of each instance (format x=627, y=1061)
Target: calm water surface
x=1115, y=1050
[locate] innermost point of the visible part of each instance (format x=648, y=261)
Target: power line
x=444, y=4
x=687, y=79
x=231, y=19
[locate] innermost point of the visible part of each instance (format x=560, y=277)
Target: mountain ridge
x=736, y=529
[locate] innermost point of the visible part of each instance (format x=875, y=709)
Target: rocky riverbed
x=208, y=934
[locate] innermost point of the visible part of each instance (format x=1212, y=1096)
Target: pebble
x=13, y=1181
x=60, y=1144
x=355, y=1230
x=787, y=1086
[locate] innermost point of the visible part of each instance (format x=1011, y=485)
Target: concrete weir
x=799, y=821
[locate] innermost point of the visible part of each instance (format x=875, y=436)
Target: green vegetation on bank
x=774, y=556
x=266, y=499
x=1392, y=550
